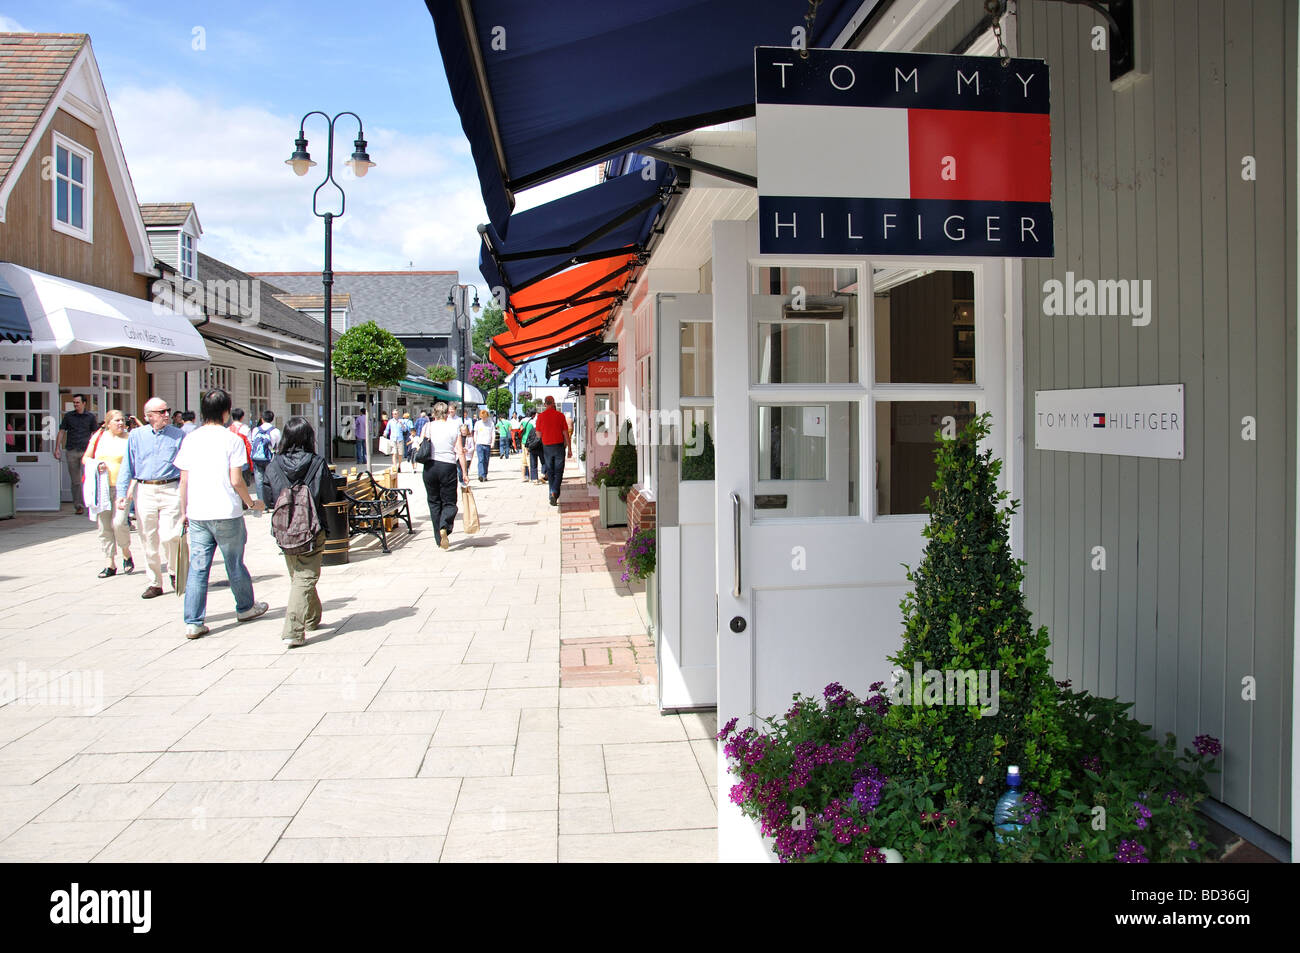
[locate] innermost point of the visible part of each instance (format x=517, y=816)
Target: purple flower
x=1173, y=797
x=1131, y=852
x=1033, y=805
x=1064, y=684
x=727, y=729
x=1091, y=763
x=1208, y=745
x=873, y=855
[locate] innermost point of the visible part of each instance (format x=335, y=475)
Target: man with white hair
x=149, y=465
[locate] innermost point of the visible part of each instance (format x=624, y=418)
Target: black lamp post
x=360, y=164
x=456, y=305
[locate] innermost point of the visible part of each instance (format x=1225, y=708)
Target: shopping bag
x=182, y=561
x=470, y=516
x=385, y=446
x=95, y=492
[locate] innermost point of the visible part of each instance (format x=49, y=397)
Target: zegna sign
x=902, y=154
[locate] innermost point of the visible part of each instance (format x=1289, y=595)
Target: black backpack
x=294, y=522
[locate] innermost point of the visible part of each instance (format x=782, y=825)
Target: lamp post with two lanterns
x=360, y=164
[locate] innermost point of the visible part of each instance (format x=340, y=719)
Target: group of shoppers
x=197, y=478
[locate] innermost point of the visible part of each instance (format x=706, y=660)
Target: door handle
x=735, y=521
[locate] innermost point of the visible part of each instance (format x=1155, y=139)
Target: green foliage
x=698, y=465
x=491, y=322
x=10, y=475
x=966, y=611
x=499, y=401
x=440, y=374
x=370, y=354
x=622, y=461
x=527, y=406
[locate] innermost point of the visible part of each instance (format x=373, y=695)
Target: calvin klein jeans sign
x=1128, y=421
x=902, y=154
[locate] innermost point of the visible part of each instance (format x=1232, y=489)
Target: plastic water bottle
x=1007, y=804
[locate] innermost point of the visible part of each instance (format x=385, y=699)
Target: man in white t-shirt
x=213, y=496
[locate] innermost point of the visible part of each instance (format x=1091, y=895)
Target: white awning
x=472, y=394
x=68, y=317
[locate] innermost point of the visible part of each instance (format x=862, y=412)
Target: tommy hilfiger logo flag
x=902, y=153
x=1099, y=420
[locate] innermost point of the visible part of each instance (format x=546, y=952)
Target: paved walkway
x=426, y=720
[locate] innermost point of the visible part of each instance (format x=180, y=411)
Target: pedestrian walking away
x=75, y=432
x=448, y=461
x=264, y=443
x=212, y=497
x=149, y=476
x=237, y=426
x=298, y=467
x=503, y=433
x=515, y=429
x=103, y=463
x=483, y=444
x=553, y=428
x=532, y=444
x=359, y=424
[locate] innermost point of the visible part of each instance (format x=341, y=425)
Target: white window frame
x=218, y=377
x=186, y=263
x=259, y=394
x=103, y=368
x=87, y=231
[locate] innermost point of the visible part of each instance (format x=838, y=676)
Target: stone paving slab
x=438, y=714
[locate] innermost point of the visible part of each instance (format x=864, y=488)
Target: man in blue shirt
x=149, y=465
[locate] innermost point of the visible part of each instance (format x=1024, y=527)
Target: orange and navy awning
x=562, y=309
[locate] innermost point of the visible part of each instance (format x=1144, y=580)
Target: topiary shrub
x=698, y=466
x=966, y=612
x=622, y=470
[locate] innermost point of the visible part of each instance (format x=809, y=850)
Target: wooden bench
x=373, y=507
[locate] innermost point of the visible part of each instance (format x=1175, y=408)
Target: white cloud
x=10, y=25
x=421, y=203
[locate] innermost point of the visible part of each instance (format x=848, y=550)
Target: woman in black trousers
x=440, y=474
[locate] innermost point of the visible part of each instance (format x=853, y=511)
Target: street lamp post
x=360, y=164
x=456, y=305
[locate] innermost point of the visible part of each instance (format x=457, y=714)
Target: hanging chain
x=808, y=19
x=994, y=10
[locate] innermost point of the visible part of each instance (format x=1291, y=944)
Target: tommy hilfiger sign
x=902, y=154
x=1128, y=421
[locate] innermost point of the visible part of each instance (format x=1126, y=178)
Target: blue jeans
x=205, y=537
x=484, y=453
x=504, y=444
x=553, y=454
x=259, y=475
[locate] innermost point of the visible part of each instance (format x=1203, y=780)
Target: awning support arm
x=686, y=162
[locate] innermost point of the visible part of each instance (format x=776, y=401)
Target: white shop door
x=31, y=423
x=686, y=638
x=831, y=377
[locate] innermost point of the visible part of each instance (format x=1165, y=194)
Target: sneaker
x=196, y=631
x=106, y=572
x=294, y=643
x=128, y=566
x=255, y=610
x=443, y=540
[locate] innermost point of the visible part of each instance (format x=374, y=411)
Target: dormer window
x=72, y=181
x=187, y=255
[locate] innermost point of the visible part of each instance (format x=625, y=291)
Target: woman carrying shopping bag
x=102, y=461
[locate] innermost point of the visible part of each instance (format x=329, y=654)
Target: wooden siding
x=28, y=238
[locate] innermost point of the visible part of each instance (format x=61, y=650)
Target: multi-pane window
x=73, y=168
x=218, y=377
x=259, y=384
x=187, y=255
x=297, y=410
x=117, y=376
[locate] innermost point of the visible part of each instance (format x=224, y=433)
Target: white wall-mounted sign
x=16, y=358
x=1128, y=421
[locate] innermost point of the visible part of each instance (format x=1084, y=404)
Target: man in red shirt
x=553, y=428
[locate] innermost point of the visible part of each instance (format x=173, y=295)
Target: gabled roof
x=32, y=67
x=167, y=214
x=406, y=303
x=273, y=314
x=41, y=73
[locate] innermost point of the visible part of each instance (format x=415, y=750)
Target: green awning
x=426, y=388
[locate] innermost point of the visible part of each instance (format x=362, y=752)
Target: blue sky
x=207, y=98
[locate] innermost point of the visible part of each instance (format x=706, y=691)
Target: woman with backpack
x=297, y=475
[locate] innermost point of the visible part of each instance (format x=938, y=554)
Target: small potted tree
x=369, y=354
x=9, y=479
x=615, y=479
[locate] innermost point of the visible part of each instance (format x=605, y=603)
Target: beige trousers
x=304, y=608
x=113, y=534
x=159, y=510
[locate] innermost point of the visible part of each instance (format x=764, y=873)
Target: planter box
x=613, y=511
x=6, y=501
x=651, y=598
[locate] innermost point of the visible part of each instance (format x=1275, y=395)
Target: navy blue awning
x=609, y=219
x=579, y=355
x=544, y=89
x=13, y=317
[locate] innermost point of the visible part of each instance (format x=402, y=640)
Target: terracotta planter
x=613, y=511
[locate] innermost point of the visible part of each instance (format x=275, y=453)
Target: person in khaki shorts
x=149, y=466
x=297, y=462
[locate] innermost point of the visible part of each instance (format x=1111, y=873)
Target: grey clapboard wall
x=1147, y=183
